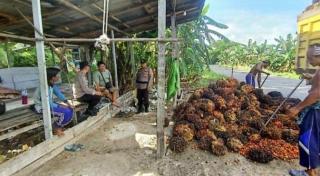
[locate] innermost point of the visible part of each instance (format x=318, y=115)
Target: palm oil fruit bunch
x=178, y=144
x=228, y=116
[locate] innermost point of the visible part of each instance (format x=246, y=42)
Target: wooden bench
x=23, y=119
x=18, y=121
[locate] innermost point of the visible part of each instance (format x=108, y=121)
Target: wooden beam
x=121, y=11
x=93, y=17
x=161, y=113
x=111, y=16
x=88, y=40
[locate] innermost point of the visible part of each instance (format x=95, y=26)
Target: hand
x=70, y=105
x=63, y=106
x=306, y=76
x=293, y=112
x=98, y=93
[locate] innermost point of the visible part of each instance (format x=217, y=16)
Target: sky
x=259, y=20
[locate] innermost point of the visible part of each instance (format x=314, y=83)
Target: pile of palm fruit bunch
x=228, y=116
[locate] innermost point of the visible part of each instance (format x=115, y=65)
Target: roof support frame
x=37, y=18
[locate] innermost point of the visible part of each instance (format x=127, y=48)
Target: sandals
x=293, y=172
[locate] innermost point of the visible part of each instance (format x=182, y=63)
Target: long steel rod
x=264, y=81
x=282, y=103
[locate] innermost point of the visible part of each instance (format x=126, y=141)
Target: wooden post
x=37, y=20
x=132, y=59
x=52, y=56
x=114, y=61
x=161, y=113
x=88, y=59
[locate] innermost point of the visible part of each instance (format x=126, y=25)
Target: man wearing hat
x=144, y=82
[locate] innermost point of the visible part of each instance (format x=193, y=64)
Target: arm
x=58, y=93
x=96, y=81
x=85, y=87
x=259, y=68
x=151, y=79
x=313, y=97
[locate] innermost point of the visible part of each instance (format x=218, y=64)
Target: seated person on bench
x=63, y=112
x=103, y=82
x=83, y=92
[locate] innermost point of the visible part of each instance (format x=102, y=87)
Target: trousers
x=143, y=99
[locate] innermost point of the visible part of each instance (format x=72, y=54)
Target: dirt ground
x=126, y=147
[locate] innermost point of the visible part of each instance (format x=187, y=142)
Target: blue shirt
x=54, y=90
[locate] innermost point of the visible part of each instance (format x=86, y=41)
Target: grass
x=280, y=74
x=206, y=78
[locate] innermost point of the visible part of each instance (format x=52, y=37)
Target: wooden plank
x=14, y=113
x=6, y=125
x=20, y=130
x=43, y=152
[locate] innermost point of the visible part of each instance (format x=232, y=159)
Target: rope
x=103, y=41
x=104, y=17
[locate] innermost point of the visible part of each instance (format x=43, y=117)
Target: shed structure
x=80, y=22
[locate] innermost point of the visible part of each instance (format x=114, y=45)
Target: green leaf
x=205, y=10
x=214, y=23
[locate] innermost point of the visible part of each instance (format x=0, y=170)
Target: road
x=273, y=83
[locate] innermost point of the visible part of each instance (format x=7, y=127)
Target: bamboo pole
x=114, y=57
x=87, y=40
x=161, y=78
x=37, y=19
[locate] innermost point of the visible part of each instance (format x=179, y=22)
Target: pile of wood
x=228, y=115
x=6, y=93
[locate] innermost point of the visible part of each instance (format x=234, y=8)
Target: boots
x=146, y=108
x=140, y=109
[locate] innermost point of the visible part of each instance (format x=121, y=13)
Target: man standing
x=257, y=70
x=144, y=82
x=103, y=82
x=309, y=120
x=83, y=92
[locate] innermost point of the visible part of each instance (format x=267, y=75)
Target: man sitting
x=103, y=82
x=83, y=92
x=62, y=111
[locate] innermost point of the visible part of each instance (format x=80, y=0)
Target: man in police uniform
x=144, y=83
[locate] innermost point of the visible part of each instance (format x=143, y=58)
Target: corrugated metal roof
x=130, y=16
